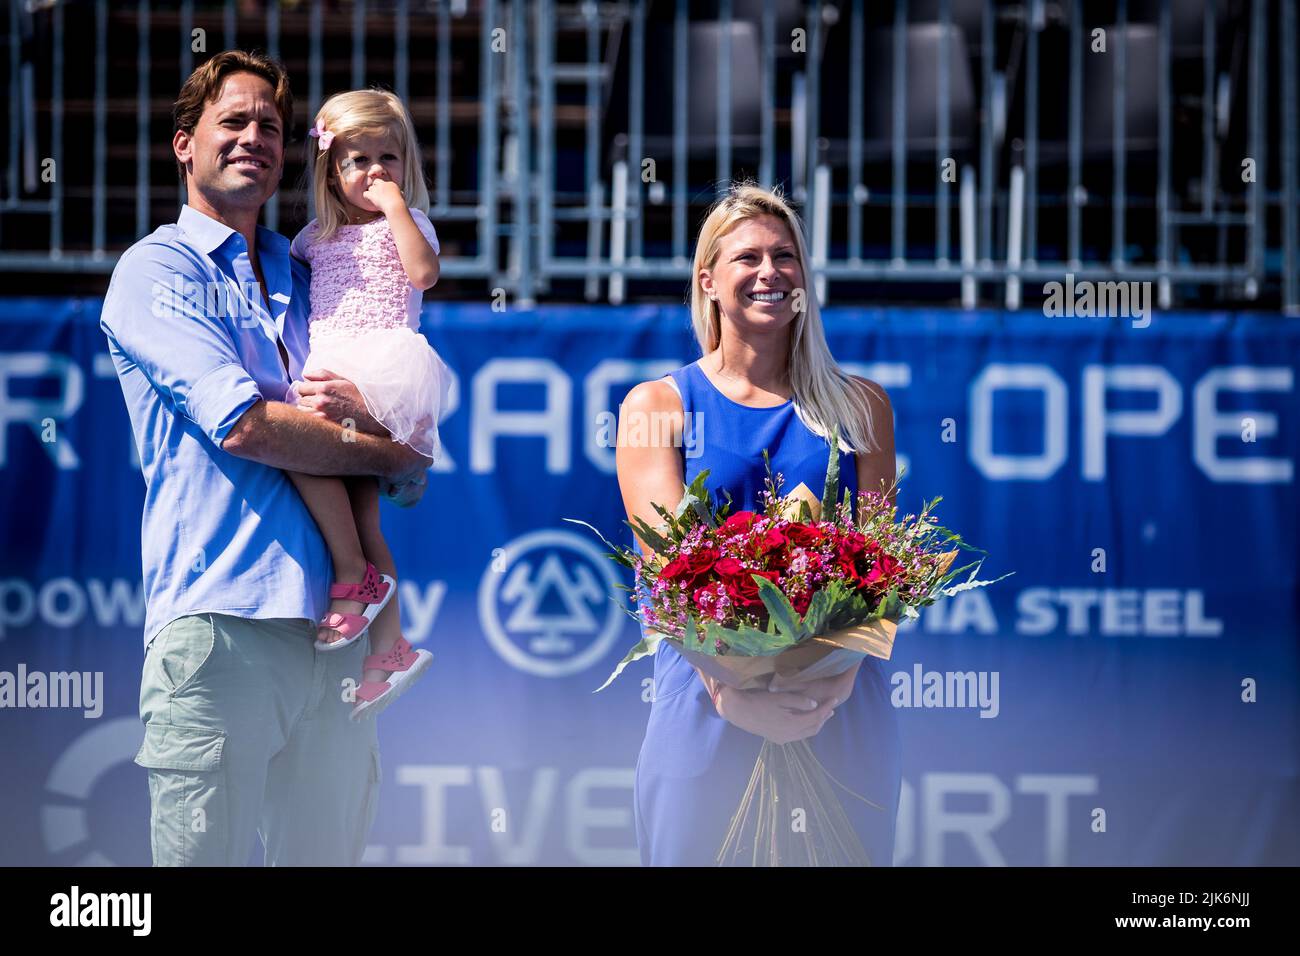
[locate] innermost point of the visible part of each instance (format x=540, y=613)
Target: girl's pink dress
x=364, y=327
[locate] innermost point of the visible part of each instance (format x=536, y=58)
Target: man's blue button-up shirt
x=195, y=346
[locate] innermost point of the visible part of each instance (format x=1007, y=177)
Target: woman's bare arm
x=648, y=458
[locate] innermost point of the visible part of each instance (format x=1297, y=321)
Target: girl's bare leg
x=330, y=505
x=387, y=629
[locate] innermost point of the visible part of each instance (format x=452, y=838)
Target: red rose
x=742, y=588
x=802, y=600
x=773, y=540
x=849, y=566
x=851, y=545
x=804, y=535
x=739, y=523
x=885, y=571
x=728, y=568
x=675, y=570
x=690, y=569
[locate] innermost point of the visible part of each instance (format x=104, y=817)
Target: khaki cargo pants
x=247, y=732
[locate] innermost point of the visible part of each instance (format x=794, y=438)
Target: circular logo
x=64, y=816
x=544, y=603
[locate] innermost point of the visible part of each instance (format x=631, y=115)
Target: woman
x=766, y=381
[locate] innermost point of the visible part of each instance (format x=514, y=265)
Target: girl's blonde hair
x=824, y=395
x=363, y=112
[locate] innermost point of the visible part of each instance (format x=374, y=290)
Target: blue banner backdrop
x=1139, y=669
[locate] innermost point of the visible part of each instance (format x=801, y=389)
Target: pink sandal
x=407, y=666
x=375, y=590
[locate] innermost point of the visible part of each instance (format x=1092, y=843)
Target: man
x=246, y=725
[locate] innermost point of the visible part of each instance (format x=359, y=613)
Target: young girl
x=373, y=252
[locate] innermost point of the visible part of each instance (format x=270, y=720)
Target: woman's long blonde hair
x=824, y=395
x=363, y=112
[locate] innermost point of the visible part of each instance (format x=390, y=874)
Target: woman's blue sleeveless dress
x=693, y=766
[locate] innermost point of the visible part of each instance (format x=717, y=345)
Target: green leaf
x=970, y=583
x=619, y=555
x=818, y=610
x=664, y=513
x=691, y=637
x=831, y=492
x=699, y=488
x=751, y=642
x=645, y=647
x=652, y=538
x=849, y=608
x=725, y=509
x=607, y=544
x=780, y=609
x=889, y=607
x=702, y=509
x=713, y=632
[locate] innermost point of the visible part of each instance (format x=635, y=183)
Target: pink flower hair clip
x=323, y=136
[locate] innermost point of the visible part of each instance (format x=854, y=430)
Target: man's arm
x=282, y=436
x=326, y=396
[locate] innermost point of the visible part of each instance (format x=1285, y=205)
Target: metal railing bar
x=592, y=152
x=723, y=113
x=228, y=25
x=636, y=128
x=315, y=82
x=856, y=97
x=358, y=44
x=1166, y=133
x=487, y=255
x=546, y=211
x=1255, y=231
x=898, y=209
x=1033, y=26
x=402, y=50
x=272, y=208
x=186, y=67
x=1290, y=211
x=571, y=267
x=98, y=206
x=679, y=130
x=1209, y=163
x=523, y=168
x=1074, y=223
x=942, y=208
x=1119, y=127
x=142, y=119
x=56, y=138
x=442, y=161
x=767, y=122
x=988, y=44
x=813, y=108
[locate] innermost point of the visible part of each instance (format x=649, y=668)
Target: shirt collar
x=210, y=235
x=206, y=232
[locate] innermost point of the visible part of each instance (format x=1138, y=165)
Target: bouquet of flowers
x=803, y=589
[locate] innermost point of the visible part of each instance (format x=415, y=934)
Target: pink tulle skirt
x=403, y=381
